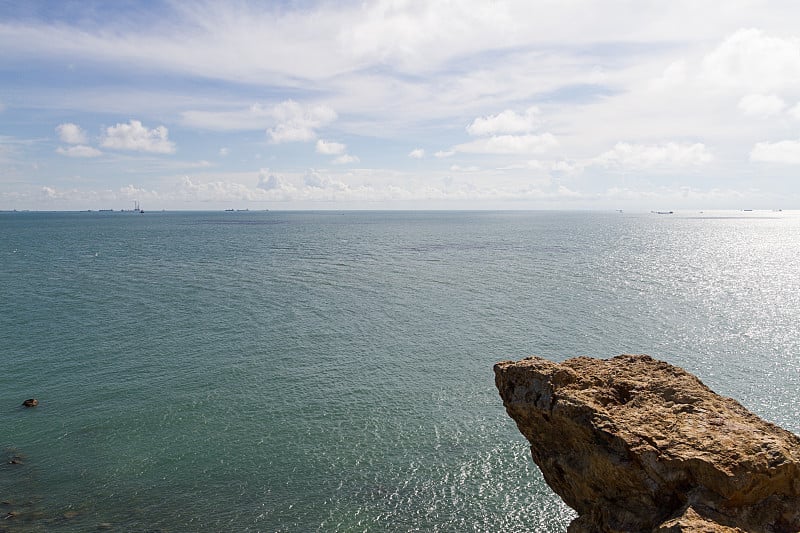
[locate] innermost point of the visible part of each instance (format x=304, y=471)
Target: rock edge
x=636, y=444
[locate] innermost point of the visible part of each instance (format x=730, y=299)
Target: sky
x=400, y=104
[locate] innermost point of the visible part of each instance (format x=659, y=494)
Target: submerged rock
x=30, y=402
x=635, y=444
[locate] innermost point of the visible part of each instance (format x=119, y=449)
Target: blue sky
x=400, y=104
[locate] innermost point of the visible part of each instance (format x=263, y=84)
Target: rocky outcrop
x=635, y=444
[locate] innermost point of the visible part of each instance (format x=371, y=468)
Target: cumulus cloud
x=444, y=153
x=507, y=133
x=794, y=112
x=296, y=122
x=134, y=136
x=317, y=180
x=337, y=149
x=509, y=144
x=506, y=122
x=646, y=156
x=268, y=181
x=345, y=159
x=79, y=150
x=417, y=153
x=786, y=152
x=761, y=105
x=71, y=133
x=312, y=185
x=214, y=191
x=313, y=178
x=330, y=148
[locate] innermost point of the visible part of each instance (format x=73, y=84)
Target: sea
x=332, y=371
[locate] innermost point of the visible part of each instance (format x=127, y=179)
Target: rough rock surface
x=636, y=444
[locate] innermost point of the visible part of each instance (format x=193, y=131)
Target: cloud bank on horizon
x=400, y=104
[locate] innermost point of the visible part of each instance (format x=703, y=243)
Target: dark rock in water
x=634, y=444
x=30, y=402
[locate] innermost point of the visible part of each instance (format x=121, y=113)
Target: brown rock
x=30, y=402
x=635, y=444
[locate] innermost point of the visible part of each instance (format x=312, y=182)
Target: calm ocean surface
x=328, y=371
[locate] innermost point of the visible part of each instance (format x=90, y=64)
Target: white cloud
x=752, y=59
x=224, y=151
x=226, y=40
x=71, y=133
x=567, y=168
x=395, y=80
x=506, y=122
x=345, y=159
x=215, y=191
x=284, y=122
x=374, y=188
x=79, y=150
x=761, y=105
x=648, y=156
x=268, y=181
x=457, y=168
x=314, y=179
x=254, y=117
x=134, y=136
x=674, y=74
x=330, y=148
x=510, y=144
x=338, y=149
x=317, y=180
x=417, y=153
x=285, y=133
x=296, y=122
x=787, y=152
x=690, y=197
x=532, y=164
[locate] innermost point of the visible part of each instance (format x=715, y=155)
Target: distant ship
x=136, y=208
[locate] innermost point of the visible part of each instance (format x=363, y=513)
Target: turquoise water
x=328, y=371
